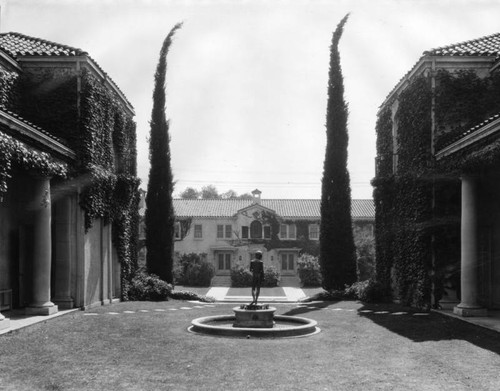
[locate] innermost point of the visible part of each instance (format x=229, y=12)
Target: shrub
x=200, y=274
x=192, y=270
x=148, y=287
x=187, y=295
x=271, y=277
x=240, y=277
x=309, y=270
x=365, y=268
x=367, y=291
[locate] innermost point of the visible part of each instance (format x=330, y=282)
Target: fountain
x=254, y=320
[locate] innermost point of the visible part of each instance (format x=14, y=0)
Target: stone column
x=64, y=246
x=42, y=250
x=469, y=251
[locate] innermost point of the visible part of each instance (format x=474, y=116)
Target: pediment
x=256, y=211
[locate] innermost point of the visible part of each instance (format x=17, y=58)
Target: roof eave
x=35, y=135
x=12, y=64
x=93, y=66
x=466, y=141
x=431, y=62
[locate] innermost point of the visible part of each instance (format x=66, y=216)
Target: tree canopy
x=211, y=192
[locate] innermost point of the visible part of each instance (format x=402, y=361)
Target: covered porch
x=475, y=156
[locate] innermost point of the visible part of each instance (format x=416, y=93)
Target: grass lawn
x=360, y=347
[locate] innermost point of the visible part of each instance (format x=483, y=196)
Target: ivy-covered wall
x=108, y=156
x=418, y=202
x=383, y=197
x=101, y=131
x=14, y=153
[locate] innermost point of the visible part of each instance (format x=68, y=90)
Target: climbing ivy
x=418, y=201
x=14, y=152
x=383, y=196
x=108, y=157
x=403, y=197
x=102, y=134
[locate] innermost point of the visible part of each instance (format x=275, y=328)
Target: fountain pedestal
x=254, y=316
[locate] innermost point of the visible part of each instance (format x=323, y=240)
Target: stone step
x=224, y=281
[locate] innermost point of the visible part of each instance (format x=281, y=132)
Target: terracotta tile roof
x=484, y=46
x=286, y=208
x=488, y=46
x=18, y=45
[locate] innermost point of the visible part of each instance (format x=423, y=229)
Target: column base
x=64, y=303
x=470, y=311
x=4, y=322
x=53, y=309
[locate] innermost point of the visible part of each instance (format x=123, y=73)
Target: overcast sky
x=247, y=80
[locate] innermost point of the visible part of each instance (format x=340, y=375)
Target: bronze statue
x=257, y=269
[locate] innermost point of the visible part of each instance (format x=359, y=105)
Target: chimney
x=256, y=196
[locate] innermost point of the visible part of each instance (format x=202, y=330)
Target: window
x=288, y=231
x=198, y=232
x=229, y=231
x=256, y=230
x=224, y=231
x=177, y=230
x=313, y=231
x=267, y=232
x=244, y=232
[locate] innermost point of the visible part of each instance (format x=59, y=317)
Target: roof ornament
x=256, y=196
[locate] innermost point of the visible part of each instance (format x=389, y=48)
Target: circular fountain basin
x=284, y=326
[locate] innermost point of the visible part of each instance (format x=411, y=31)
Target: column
x=469, y=251
x=64, y=249
x=42, y=250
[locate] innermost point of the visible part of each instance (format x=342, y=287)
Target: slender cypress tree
x=337, y=251
x=159, y=206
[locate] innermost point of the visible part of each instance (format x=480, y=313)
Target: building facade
x=228, y=232
x=67, y=141
x=436, y=187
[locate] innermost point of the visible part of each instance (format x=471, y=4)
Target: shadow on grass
x=310, y=307
x=425, y=327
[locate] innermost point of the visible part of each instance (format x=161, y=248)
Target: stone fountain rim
x=307, y=327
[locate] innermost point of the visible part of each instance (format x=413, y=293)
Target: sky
x=247, y=79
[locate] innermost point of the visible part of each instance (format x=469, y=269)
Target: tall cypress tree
x=159, y=206
x=337, y=251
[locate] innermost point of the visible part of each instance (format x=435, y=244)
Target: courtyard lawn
x=146, y=346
